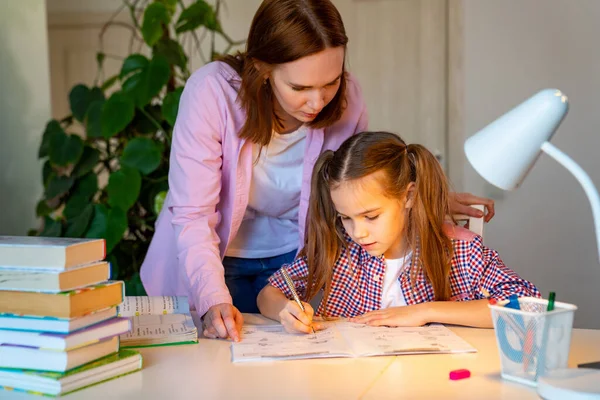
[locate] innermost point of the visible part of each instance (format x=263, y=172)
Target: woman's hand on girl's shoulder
x=414, y=315
x=460, y=203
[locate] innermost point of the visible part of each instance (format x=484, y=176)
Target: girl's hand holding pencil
x=295, y=320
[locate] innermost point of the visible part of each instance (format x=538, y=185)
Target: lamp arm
x=584, y=180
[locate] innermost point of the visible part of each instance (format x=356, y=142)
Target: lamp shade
x=504, y=151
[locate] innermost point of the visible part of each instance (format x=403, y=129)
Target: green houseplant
x=112, y=182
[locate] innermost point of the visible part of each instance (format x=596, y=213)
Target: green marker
x=551, y=301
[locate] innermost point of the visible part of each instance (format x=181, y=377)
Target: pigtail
x=323, y=241
x=429, y=210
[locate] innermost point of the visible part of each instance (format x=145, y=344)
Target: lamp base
x=570, y=383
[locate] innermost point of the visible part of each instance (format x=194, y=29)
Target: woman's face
x=305, y=86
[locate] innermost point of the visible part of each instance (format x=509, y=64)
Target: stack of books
x=59, y=329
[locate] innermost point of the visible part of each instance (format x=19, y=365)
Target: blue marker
x=513, y=302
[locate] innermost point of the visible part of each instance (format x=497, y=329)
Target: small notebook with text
x=157, y=320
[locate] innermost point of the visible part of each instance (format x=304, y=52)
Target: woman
x=248, y=133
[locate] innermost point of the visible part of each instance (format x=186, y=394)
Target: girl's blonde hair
x=361, y=155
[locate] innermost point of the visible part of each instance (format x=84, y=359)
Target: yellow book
x=70, y=304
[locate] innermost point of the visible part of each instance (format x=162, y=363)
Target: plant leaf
x=93, y=120
x=96, y=94
x=132, y=86
x=97, y=229
x=86, y=187
x=155, y=15
x=197, y=14
x=159, y=202
x=133, y=63
x=78, y=100
x=46, y=172
x=156, y=77
x=65, y=149
x=42, y=208
x=109, y=82
x=141, y=122
x=77, y=226
x=117, y=113
x=52, y=228
x=143, y=84
x=75, y=206
x=89, y=159
x=58, y=185
x=109, y=224
x=52, y=128
x=170, y=105
x=124, y=188
x=171, y=5
x=172, y=51
x=134, y=286
x=142, y=154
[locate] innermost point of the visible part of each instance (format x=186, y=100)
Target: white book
x=53, y=281
x=52, y=324
x=51, y=360
x=345, y=339
x=69, y=341
x=49, y=252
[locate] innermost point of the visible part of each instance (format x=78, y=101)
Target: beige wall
x=24, y=110
x=512, y=49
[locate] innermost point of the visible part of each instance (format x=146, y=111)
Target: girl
x=248, y=132
x=378, y=244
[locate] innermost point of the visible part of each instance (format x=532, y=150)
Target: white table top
x=205, y=371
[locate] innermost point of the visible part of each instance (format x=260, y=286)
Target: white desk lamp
x=503, y=153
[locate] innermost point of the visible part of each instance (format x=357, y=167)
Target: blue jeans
x=245, y=277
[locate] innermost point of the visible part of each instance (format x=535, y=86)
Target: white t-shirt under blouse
x=392, y=295
x=270, y=224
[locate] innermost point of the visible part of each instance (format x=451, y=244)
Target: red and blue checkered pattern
x=358, y=279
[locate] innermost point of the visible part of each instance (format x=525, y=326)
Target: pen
x=551, y=298
x=487, y=295
x=290, y=285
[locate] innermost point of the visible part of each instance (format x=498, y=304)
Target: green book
x=58, y=383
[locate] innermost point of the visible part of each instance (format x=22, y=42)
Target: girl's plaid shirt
x=358, y=278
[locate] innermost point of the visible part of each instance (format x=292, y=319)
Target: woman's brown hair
x=362, y=155
x=284, y=31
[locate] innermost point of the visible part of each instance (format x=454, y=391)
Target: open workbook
x=156, y=321
x=344, y=339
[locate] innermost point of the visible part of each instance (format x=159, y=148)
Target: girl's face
x=372, y=220
x=305, y=86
